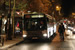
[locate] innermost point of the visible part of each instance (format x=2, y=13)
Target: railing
x=2, y=39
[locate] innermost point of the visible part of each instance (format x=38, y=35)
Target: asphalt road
x=41, y=45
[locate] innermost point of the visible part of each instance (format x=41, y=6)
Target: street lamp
x=73, y=14
x=58, y=8
x=13, y=17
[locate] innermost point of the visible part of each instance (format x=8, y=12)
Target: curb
x=9, y=46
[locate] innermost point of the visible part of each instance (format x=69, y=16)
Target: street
x=66, y=45
x=55, y=44
x=37, y=24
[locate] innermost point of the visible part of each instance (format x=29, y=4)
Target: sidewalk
x=10, y=43
x=57, y=38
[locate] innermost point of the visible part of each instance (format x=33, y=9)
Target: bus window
x=35, y=24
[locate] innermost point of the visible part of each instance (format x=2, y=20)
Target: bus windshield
x=35, y=24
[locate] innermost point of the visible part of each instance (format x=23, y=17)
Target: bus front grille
x=34, y=34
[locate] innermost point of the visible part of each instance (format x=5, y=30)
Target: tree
x=42, y=6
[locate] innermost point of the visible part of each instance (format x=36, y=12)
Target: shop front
x=18, y=26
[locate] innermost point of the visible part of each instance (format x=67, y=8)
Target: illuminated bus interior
x=35, y=24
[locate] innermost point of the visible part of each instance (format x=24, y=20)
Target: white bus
x=36, y=27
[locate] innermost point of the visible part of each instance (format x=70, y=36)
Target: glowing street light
x=73, y=13
x=58, y=8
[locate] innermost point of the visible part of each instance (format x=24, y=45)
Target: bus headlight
x=45, y=35
x=44, y=32
x=74, y=30
x=24, y=36
x=24, y=33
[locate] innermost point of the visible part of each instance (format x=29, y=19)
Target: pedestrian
x=61, y=31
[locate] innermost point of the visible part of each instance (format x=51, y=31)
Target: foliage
x=21, y=6
x=43, y=6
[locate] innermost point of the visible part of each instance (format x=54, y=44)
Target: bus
x=35, y=27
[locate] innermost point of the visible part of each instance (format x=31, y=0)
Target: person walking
x=61, y=31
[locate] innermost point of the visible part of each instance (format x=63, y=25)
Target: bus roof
x=39, y=15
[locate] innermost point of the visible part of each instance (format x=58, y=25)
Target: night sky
x=67, y=6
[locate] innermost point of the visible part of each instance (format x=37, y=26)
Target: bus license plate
x=34, y=37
